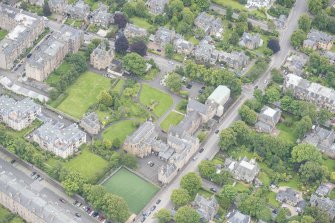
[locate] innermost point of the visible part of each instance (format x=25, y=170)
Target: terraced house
x=18, y=114
x=24, y=28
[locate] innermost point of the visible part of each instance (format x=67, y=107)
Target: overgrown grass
x=120, y=130
x=140, y=22
x=171, y=120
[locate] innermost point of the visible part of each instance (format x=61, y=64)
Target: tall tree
x=191, y=182
x=298, y=38
x=305, y=22
x=273, y=45
x=135, y=64
x=305, y=152
x=227, y=196
x=180, y=197
x=139, y=47
x=163, y=215
x=303, y=126
x=187, y=214
x=46, y=9
x=120, y=20
x=247, y=115
x=174, y=82
x=315, y=6
x=121, y=44
x=115, y=208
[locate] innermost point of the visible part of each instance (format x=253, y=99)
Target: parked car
x=213, y=189
x=12, y=161
x=62, y=200
x=78, y=204
x=77, y=215
x=201, y=150
x=33, y=174
x=217, y=131
x=40, y=178
x=158, y=201
x=36, y=177
x=153, y=208
x=189, y=86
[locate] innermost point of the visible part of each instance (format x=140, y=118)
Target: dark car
x=77, y=215
x=33, y=174
x=29, y=55
x=213, y=189
x=62, y=200
x=217, y=131
x=158, y=201
x=153, y=208
x=201, y=150
x=95, y=214
x=189, y=86
x=12, y=161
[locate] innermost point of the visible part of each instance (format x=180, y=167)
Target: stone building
x=206, y=208
x=156, y=7
x=90, y=123
x=251, y=41
x=101, y=17
x=80, y=10
x=18, y=114
x=245, y=170
x=101, y=57
x=210, y=25
x=267, y=119
x=57, y=6
x=52, y=51
x=323, y=139
x=132, y=31
x=166, y=173
x=318, y=40
x=24, y=28
x=234, y=60
x=164, y=36
x=60, y=140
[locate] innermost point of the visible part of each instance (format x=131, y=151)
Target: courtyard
x=136, y=191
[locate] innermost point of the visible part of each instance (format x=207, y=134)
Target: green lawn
x=118, y=87
x=241, y=187
x=136, y=191
x=293, y=183
x=53, y=78
x=119, y=130
x=205, y=193
x=329, y=163
x=157, y=100
x=84, y=93
x=8, y=217
x=88, y=164
x=140, y=22
x=287, y=133
x=233, y=3
x=171, y=120
x=271, y=197
x=3, y=33
x=193, y=40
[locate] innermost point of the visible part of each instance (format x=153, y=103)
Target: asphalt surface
x=211, y=146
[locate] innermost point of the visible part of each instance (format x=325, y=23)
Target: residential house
x=18, y=114
x=258, y=4
x=318, y=40
x=101, y=57
x=90, y=123
x=219, y=96
x=251, y=41
x=39, y=3
x=132, y=31
x=60, y=140
x=57, y=6
x=295, y=63
x=140, y=142
x=206, y=111
x=182, y=46
x=24, y=28
x=32, y=201
x=206, y=208
x=156, y=7
x=323, y=139
x=245, y=170
x=164, y=36
x=330, y=56
x=51, y=52
x=305, y=90
x=101, y=17
x=280, y=22
x=267, y=119
x=323, y=190
x=206, y=52
x=166, y=173
x=325, y=204
x=80, y=10
x=238, y=217
x=209, y=24
x=288, y=196
x=234, y=60
x=115, y=68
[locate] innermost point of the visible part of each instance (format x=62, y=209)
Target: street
x=211, y=146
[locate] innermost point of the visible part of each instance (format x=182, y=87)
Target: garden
x=171, y=120
x=120, y=130
x=3, y=34
x=136, y=191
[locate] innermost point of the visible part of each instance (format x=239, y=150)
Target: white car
x=265, y=81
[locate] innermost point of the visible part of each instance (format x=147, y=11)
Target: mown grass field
x=171, y=120
x=140, y=22
x=88, y=164
x=119, y=130
x=159, y=101
x=3, y=34
x=136, y=191
x=83, y=93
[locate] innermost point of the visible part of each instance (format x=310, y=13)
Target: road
x=219, y=9
x=211, y=146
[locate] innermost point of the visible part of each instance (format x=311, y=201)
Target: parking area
x=150, y=172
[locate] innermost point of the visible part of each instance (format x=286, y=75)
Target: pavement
x=219, y=9
x=211, y=146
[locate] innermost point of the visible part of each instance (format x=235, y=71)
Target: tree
x=315, y=6
x=116, y=143
x=305, y=23
x=174, y=82
x=201, y=5
x=187, y=214
x=277, y=76
x=323, y=116
x=115, y=207
x=94, y=195
x=139, y=47
x=247, y=115
x=135, y=64
x=254, y=206
x=281, y=216
x=105, y=98
x=298, y=38
x=273, y=45
x=234, y=38
x=163, y=215
x=180, y=197
x=227, y=196
x=120, y=20
x=272, y=94
x=305, y=152
x=307, y=219
x=46, y=9
x=73, y=183
x=121, y=44
x=169, y=51
x=227, y=139
x=303, y=126
x=313, y=173
x=207, y=169
x=191, y=182
x=229, y=13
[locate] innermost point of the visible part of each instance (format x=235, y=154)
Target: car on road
x=62, y=200
x=158, y=201
x=256, y=87
x=195, y=158
x=33, y=174
x=60, y=117
x=95, y=214
x=265, y=81
x=201, y=150
x=213, y=189
x=217, y=131
x=77, y=215
x=12, y=161
x=151, y=164
x=201, y=91
x=78, y=204
x=153, y=208
x=36, y=177
x=159, y=50
x=189, y=86
x=143, y=220
x=40, y=179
